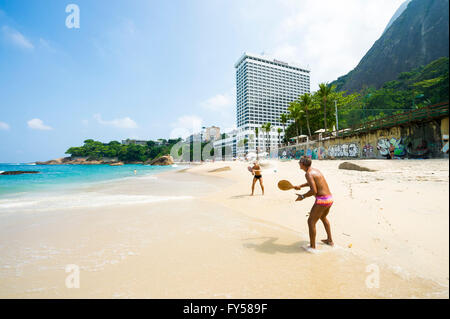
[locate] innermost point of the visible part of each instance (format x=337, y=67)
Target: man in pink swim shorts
x=319, y=188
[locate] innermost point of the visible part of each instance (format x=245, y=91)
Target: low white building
x=211, y=133
x=207, y=134
x=243, y=141
x=137, y=142
x=225, y=148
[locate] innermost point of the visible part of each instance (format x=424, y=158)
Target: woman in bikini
x=256, y=171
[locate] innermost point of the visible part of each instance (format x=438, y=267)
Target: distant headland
x=116, y=154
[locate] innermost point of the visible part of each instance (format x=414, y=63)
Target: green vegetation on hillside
x=95, y=150
x=420, y=87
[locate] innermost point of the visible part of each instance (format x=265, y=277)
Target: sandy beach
x=203, y=236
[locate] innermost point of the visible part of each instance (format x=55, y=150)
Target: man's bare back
x=319, y=181
x=318, y=188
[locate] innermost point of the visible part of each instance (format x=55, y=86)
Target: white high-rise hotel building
x=264, y=88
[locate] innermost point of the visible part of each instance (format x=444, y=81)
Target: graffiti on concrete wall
x=322, y=153
x=296, y=153
x=290, y=153
x=318, y=153
x=417, y=147
x=344, y=150
x=367, y=151
x=384, y=144
x=445, y=143
x=422, y=140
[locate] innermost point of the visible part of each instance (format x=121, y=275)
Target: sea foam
x=79, y=200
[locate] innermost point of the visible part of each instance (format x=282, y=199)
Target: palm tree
x=306, y=102
x=324, y=93
x=295, y=113
x=243, y=142
x=263, y=129
x=279, y=130
x=283, y=119
x=267, y=128
x=256, y=134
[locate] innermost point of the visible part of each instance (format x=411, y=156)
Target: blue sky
x=151, y=69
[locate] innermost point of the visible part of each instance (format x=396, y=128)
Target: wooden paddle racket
x=285, y=185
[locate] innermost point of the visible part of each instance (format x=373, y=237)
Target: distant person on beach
x=256, y=171
x=391, y=151
x=319, y=188
x=135, y=171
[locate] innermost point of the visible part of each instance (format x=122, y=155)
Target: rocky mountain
x=418, y=36
x=397, y=13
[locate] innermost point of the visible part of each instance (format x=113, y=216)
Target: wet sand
x=209, y=239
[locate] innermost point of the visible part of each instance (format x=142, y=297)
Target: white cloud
x=185, y=126
x=17, y=38
x=222, y=107
x=220, y=102
x=125, y=122
x=125, y=38
x=4, y=126
x=37, y=124
x=45, y=44
x=228, y=129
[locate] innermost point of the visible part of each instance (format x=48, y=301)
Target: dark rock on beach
x=18, y=172
x=355, y=167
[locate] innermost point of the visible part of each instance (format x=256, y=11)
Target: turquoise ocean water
x=52, y=177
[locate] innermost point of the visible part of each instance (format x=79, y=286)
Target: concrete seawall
x=413, y=140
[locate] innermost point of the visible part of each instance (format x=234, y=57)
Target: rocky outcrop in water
x=116, y=164
x=18, y=172
x=163, y=160
x=57, y=161
x=75, y=161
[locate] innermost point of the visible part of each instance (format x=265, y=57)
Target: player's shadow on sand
x=240, y=196
x=270, y=247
